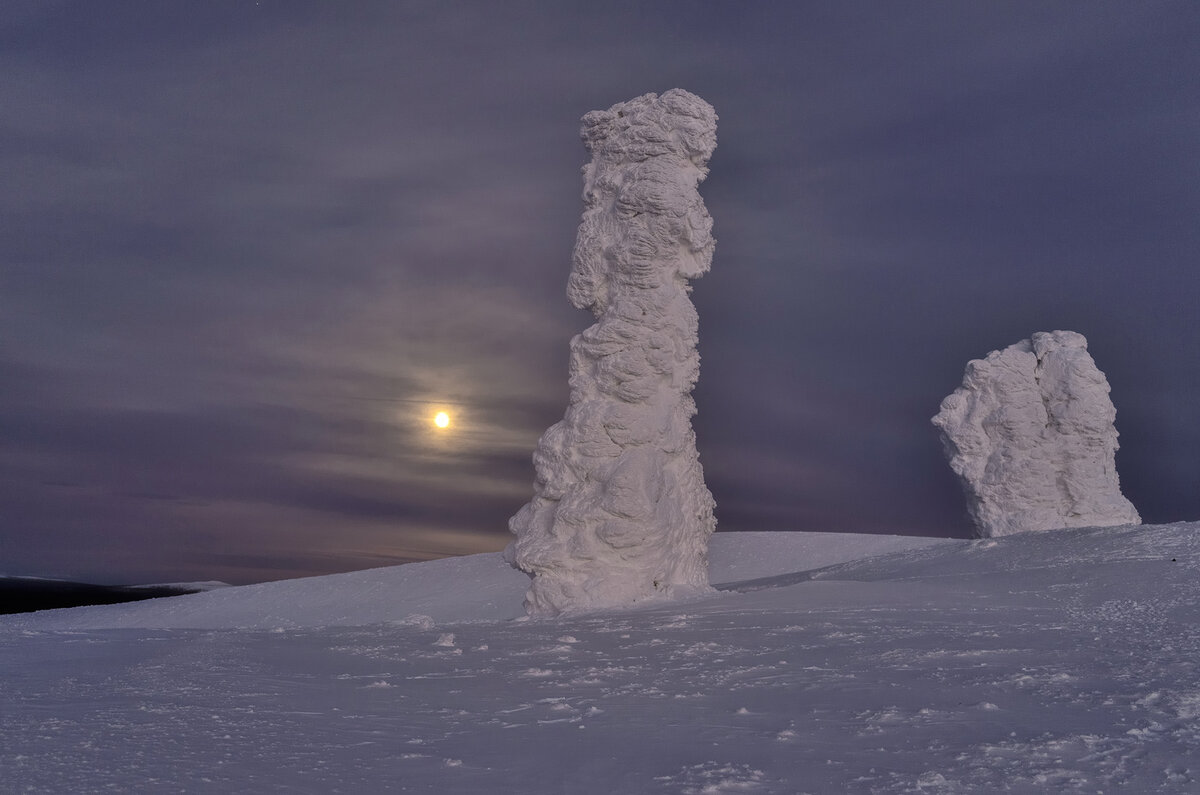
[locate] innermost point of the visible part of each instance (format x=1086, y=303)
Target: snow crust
x=1031, y=435
x=620, y=512
x=1042, y=662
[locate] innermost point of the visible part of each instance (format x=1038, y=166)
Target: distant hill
x=29, y=594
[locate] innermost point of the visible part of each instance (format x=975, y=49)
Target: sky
x=248, y=249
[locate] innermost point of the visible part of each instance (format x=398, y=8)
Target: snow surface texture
x=1045, y=662
x=620, y=511
x=1030, y=433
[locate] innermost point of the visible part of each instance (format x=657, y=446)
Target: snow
x=1065, y=661
x=620, y=512
x=1030, y=434
x=470, y=588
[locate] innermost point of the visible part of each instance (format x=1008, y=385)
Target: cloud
x=250, y=245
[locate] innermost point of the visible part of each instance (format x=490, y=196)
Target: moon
x=442, y=420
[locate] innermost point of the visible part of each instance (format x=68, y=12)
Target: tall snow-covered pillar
x=1031, y=435
x=620, y=511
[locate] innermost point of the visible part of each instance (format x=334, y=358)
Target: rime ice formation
x=620, y=511
x=1030, y=433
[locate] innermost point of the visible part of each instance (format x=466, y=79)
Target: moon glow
x=442, y=420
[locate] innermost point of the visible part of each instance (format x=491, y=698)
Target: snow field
x=1056, y=662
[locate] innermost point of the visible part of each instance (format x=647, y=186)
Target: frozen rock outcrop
x=620, y=512
x=1030, y=433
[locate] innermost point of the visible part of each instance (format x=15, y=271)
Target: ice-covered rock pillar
x=620, y=511
x=1030, y=433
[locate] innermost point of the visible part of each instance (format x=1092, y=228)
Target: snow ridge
x=620, y=511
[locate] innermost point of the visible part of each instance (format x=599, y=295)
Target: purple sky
x=247, y=248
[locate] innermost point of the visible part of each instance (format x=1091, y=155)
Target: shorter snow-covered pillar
x=1030, y=434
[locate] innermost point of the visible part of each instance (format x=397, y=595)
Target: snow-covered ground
x=1064, y=661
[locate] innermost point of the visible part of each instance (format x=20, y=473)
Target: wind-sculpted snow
x=1030, y=434
x=620, y=511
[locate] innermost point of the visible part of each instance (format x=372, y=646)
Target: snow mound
x=734, y=557
x=469, y=588
x=473, y=587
